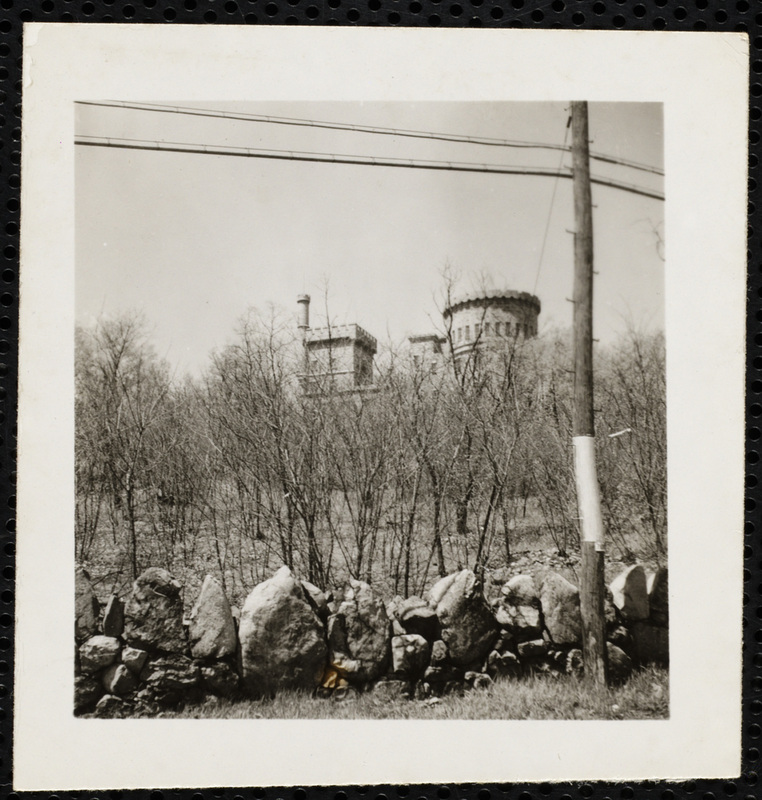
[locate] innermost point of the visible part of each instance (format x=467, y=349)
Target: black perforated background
x=690, y=15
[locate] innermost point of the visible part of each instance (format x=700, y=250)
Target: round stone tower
x=489, y=321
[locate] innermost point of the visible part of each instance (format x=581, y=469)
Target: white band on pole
x=588, y=491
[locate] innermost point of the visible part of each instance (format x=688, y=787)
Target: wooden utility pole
x=592, y=585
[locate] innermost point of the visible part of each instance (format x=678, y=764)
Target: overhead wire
x=332, y=158
x=369, y=129
x=550, y=210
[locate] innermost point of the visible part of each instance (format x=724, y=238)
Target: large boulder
x=98, y=652
x=410, y=655
x=86, y=607
x=468, y=627
x=154, y=613
x=629, y=592
x=518, y=608
x=561, y=609
x=211, y=631
x=282, y=641
x=657, y=584
x=359, y=634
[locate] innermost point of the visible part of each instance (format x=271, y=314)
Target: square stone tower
x=339, y=356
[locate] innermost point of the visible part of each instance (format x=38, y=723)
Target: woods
x=432, y=469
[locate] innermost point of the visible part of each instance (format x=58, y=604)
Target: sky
x=194, y=241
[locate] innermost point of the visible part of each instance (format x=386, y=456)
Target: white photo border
x=702, y=81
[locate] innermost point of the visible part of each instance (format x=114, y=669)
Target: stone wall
x=142, y=653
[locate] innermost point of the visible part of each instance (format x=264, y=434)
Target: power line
x=367, y=161
x=550, y=211
x=371, y=129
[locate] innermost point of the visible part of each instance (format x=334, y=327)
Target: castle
x=486, y=322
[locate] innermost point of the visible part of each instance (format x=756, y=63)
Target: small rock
x=169, y=676
x=504, y=642
x=575, y=662
x=438, y=652
x=98, y=652
x=503, y=665
x=630, y=593
x=557, y=660
x=219, y=679
x=391, y=690
x=85, y=606
x=117, y=679
x=621, y=637
x=113, y=617
x=212, y=633
x=134, y=659
x=344, y=693
x=87, y=692
x=410, y=655
x=332, y=680
x=393, y=606
x=478, y=680
x=620, y=664
x=439, y=677
x=110, y=706
x=534, y=649
x=422, y=691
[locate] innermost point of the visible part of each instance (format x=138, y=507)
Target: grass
x=644, y=696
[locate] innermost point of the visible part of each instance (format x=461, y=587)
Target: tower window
x=468, y=333
x=486, y=328
x=477, y=330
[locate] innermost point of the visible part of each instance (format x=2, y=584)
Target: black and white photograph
x=379, y=424
x=333, y=364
